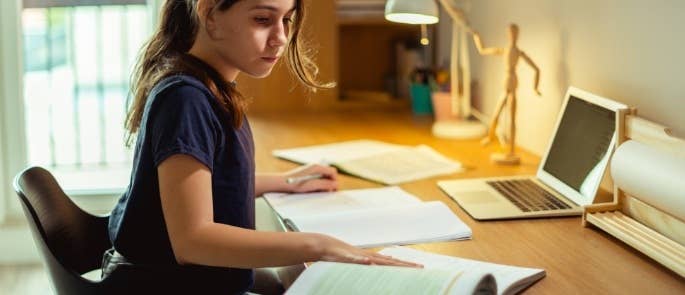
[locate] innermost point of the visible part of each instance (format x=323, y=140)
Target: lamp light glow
x=411, y=18
x=413, y=12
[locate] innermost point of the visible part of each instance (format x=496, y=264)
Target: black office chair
x=73, y=241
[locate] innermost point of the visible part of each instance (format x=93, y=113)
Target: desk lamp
x=426, y=12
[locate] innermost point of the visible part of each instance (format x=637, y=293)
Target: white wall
x=627, y=50
x=12, y=157
x=16, y=245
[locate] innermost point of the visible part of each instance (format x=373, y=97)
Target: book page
x=409, y=224
x=510, y=279
x=401, y=165
x=290, y=205
x=339, y=278
x=335, y=152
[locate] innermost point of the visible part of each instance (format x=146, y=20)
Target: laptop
x=569, y=174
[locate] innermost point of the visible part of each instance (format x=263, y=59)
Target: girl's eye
x=262, y=20
x=287, y=20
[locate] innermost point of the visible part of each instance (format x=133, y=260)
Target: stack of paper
x=370, y=217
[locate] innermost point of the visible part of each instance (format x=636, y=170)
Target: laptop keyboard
x=527, y=195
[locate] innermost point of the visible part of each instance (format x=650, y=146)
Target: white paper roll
x=651, y=175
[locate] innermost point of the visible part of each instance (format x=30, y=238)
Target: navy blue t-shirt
x=182, y=116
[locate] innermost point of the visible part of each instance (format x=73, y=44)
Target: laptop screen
x=581, y=145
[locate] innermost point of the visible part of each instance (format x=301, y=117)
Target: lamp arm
x=461, y=107
x=455, y=13
x=454, y=72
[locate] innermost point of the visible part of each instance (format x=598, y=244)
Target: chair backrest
x=70, y=240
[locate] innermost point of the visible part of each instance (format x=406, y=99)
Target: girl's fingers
x=388, y=260
x=359, y=259
x=318, y=185
x=329, y=172
x=394, y=262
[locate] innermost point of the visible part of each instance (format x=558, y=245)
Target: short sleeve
x=183, y=122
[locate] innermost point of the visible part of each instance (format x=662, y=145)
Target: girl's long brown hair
x=165, y=54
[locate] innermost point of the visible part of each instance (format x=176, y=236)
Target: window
x=77, y=60
x=76, y=53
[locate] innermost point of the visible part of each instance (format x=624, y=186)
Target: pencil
x=298, y=179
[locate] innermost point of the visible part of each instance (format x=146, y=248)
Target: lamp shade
x=412, y=11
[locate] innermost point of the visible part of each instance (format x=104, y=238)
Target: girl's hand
x=334, y=250
x=327, y=182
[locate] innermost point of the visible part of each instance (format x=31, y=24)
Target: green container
x=421, y=99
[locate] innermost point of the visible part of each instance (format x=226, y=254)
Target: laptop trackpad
x=478, y=197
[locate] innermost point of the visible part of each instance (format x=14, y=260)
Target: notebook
x=568, y=176
x=441, y=275
x=369, y=217
x=375, y=160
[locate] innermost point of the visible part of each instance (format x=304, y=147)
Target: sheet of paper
x=338, y=278
x=409, y=224
x=374, y=160
x=290, y=205
x=506, y=276
x=401, y=165
x=335, y=152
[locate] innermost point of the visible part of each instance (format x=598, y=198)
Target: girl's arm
x=276, y=182
x=186, y=195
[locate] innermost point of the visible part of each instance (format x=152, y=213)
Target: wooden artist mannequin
x=511, y=54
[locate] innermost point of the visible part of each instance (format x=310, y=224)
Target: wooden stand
x=651, y=231
x=505, y=158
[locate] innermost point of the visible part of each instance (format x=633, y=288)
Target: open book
x=441, y=275
x=374, y=160
x=369, y=217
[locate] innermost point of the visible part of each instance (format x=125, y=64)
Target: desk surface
x=577, y=259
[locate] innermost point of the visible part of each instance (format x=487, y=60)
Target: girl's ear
x=205, y=15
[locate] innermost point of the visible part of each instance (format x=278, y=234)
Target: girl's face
x=250, y=36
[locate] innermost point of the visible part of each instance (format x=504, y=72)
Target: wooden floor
x=24, y=279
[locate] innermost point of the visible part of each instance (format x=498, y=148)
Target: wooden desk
x=577, y=260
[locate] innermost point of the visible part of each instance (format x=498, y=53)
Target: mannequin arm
x=485, y=51
x=535, y=68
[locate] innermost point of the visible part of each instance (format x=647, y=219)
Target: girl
x=190, y=205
